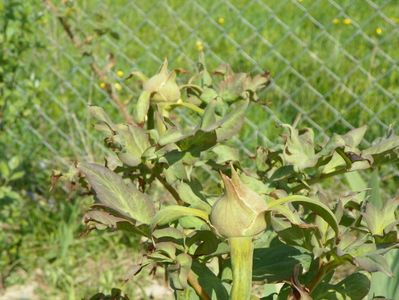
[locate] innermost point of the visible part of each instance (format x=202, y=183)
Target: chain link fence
x=334, y=62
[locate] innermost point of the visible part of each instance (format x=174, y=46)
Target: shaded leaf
x=205, y=240
x=212, y=284
x=277, y=262
x=197, y=142
x=355, y=286
x=298, y=292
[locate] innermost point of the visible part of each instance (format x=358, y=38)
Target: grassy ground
x=336, y=62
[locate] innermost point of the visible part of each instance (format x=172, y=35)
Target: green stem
x=317, y=179
x=378, y=159
x=323, y=271
x=188, y=105
x=193, y=86
x=191, y=106
x=241, y=253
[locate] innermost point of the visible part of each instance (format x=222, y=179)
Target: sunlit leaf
x=299, y=148
x=112, y=191
x=318, y=207
x=134, y=141
x=178, y=272
x=172, y=213
x=232, y=122
x=188, y=196
x=142, y=106
x=225, y=153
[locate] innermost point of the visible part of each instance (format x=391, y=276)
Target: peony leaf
x=188, y=196
x=321, y=209
x=142, y=106
x=232, y=122
x=134, y=141
x=299, y=149
x=172, y=213
x=112, y=191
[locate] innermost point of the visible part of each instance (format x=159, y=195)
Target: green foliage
x=10, y=209
x=272, y=200
x=19, y=85
x=40, y=246
x=29, y=87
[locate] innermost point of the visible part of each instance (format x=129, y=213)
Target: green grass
x=336, y=75
x=49, y=254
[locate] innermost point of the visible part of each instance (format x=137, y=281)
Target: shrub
x=226, y=220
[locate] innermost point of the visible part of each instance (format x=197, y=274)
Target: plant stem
x=241, y=253
x=191, y=106
x=170, y=189
x=193, y=282
x=379, y=159
x=317, y=179
x=323, y=271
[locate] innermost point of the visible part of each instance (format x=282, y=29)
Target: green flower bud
x=240, y=212
x=163, y=86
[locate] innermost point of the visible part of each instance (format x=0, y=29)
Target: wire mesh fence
x=334, y=62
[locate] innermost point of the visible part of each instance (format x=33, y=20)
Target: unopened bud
x=240, y=212
x=163, y=86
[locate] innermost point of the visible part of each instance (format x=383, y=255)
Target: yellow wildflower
x=378, y=30
x=336, y=21
x=117, y=86
x=199, y=45
x=120, y=73
x=221, y=21
x=102, y=85
x=347, y=21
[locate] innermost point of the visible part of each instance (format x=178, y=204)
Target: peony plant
x=224, y=225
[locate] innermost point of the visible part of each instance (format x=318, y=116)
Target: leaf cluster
x=161, y=179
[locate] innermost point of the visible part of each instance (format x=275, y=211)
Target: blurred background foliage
x=333, y=61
